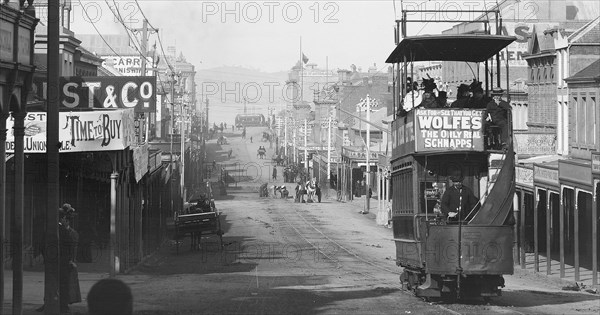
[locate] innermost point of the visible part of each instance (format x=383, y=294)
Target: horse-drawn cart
x=199, y=217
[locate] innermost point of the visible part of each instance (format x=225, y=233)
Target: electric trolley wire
x=157, y=35
x=97, y=31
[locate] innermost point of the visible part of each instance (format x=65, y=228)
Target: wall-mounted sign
x=535, y=143
x=449, y=129
x=595, y=163
x=545, y=175
x=524, y=176
x=78, y=131
x=138, y=93
x=128, y=65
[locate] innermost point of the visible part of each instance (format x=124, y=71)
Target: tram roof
x=454, y=47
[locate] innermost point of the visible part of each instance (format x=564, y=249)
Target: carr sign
x=138, y=93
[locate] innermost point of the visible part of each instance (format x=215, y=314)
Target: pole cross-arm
x=363, y=120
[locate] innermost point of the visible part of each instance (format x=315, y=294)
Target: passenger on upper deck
x=442, y=99
x=497, y=114
x=413, y=95
x=478, y=100
x=462, y=97
x=429, y=100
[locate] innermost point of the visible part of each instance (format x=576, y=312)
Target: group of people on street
x=261, y=152
x=310, y=189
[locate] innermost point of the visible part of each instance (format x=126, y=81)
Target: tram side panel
x=485, y=250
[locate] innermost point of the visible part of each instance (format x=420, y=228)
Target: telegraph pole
x=144, y=52
x=51, y=269
x=367, y=187
x=172, y=130
x=306, y=145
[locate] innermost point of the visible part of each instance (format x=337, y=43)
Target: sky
x=263, y=35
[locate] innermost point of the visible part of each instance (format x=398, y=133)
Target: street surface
x=282, y=257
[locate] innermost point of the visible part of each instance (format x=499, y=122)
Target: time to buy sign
x=81, y=93
x=449, y=129
x=106, y=130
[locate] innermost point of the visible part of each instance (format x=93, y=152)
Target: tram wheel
x=487, y=299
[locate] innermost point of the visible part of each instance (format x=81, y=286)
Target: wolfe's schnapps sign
x=78, y=131
x=448, y=129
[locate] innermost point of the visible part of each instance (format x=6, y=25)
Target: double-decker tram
x=453, y=179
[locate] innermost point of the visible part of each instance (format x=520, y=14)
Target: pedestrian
x=250, y=139
x=214, y=165
x=458, y=200
x=497, y=112
x=274, y=173
x=229, y=153
x=318, y=192
x=109, y=297
x=298, y=190
x=370, y=193
x=68, y=239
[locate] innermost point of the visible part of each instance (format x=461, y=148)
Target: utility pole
x=183, y=127
x=306, y=145
x=368, y=155
x=207, y=114
x=172, y=130
x=144, y=56
x=329, y=148
x=51, y=268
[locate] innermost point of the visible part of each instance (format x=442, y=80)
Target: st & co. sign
x=81, y=93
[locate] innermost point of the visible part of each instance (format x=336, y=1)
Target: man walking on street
x=274, y=173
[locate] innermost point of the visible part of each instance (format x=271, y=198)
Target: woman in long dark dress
x=69, y=279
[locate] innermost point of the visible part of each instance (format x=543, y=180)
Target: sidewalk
x=33, y=291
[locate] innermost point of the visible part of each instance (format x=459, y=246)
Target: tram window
x=431, y=196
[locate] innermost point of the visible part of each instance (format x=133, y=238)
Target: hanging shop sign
x=140, y=161
x=78, y=131
x=80, y=93
x=449, y=129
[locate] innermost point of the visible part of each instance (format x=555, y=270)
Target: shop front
x=547, y=214
x=524, y=212
x=577, y=223
x=595, y=216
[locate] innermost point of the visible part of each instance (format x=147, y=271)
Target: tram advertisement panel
x=449, y=129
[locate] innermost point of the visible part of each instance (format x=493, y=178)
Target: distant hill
x=227, y=86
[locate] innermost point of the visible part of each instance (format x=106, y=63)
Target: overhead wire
x=97, y=31
x=157, y=35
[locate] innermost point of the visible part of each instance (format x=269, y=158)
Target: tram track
x=291, y=220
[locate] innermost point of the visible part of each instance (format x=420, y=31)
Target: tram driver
x=458, y=200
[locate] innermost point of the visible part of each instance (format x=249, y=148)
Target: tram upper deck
x=427, y=131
